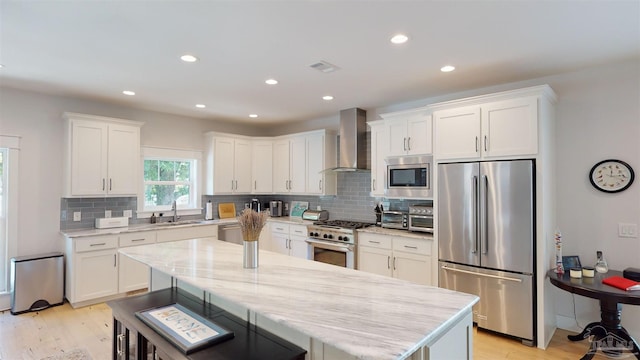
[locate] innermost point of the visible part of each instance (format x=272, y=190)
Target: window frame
x=192, y=156
x=12, y=160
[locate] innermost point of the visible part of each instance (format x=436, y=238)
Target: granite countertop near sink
x=396, y=232
x=144, y=227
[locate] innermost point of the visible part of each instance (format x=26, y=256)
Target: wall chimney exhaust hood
x=353, y=147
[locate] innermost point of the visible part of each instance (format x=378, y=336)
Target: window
x=4, y=266
x=9, y=166
x=168, y=176
x=166, y=181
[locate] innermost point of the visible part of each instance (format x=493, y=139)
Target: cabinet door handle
x=98, y=244
x=485, y=143
x=404, y=144
x=320, y=185
x=119, y=346
x=134, y=240
x=103, y=184
x=409, y=143
x=374, y=242
x=411, y=247
x=110, y=184
x=394, y=263
x=373, y=184
x=115, y=256
x=255, y=185
x=388, y=262
x=476, y=144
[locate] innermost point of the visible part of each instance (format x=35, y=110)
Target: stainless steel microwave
x=409, y=177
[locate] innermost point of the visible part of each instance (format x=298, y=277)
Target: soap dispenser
x=601, y=263
x=153, y=218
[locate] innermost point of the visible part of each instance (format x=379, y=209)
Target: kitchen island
x=330, y=311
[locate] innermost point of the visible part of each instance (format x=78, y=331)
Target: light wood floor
x=58, y=329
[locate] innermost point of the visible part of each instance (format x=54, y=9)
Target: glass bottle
x=601, y=263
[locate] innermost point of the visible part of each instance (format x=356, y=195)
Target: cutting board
x=226, y=210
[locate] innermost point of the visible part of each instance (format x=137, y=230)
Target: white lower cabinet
x=91, y=267
x=400, y=257
x=289, y=239
x=96, y=272
x=133, y=275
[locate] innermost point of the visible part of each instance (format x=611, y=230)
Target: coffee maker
x=276, y=208
x=255, y=205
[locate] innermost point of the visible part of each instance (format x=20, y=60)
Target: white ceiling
x=97, y=49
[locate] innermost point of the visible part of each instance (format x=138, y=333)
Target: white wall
x=598, y=117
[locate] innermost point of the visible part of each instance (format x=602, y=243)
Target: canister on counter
x=575, y=273
x=588, y=271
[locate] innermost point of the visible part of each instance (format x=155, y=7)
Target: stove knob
x=325, y=236
x=330, y=236
x=310, y=233
x=340, y=237
x=345, y=238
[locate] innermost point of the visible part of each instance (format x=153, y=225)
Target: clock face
x=611, y=176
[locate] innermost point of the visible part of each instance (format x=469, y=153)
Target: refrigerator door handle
x=475, y=214
x=485, y=211
x=444, y=267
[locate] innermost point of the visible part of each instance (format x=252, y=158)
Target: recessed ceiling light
x=201, y=106
x=447, y=68
x=399, y=39
x=1, y=66
x=253, y=115
x=271, y=81
x=129, y=92
x=327, y=97
x=188, y=58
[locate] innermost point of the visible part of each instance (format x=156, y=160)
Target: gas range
x=343, y=231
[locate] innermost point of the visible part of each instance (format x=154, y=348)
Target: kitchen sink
x=178, y=223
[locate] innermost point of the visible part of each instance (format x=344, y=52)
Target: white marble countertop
x=363, y=314
x=143, y=227
x=396, y=232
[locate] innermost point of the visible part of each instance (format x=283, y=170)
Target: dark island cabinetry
x=133, y=339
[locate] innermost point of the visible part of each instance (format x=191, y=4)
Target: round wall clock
x=611, y=176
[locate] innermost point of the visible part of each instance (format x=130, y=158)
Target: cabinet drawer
x=298, y=230
x=374, y=240
x=96, y=243
x=137, y=238
x=416, y=246
x=281, y=228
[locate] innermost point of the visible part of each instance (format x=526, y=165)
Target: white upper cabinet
x=321, y=155
x=262, y=166
x=289, y=165
x=379, y=147
x=505, y=128
x=409, y=132
x=102, y=156
x=228, y=165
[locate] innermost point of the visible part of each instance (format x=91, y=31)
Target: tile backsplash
x=352, y=202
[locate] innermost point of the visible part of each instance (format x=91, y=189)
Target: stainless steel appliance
x=395, y=219
x=255, y=205
x=409, y=177
x=334, y=241
x=486, y=238
x=275, y=208
x=421, y=218
x=230, y=232
x=315, y=215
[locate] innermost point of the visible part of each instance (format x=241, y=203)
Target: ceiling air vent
x=324, y=66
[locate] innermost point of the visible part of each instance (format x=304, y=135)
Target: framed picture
x=182, y=327
x=570, y=262
x=298, y=207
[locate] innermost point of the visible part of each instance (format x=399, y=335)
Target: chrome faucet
x=174, y=208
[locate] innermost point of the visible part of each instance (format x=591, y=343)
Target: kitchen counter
x=396, y=232
x=144, y=227
x=362, y=314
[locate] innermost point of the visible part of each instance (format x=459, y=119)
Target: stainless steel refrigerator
x=486, y=228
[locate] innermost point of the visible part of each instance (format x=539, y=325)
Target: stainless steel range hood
x=353, y=147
